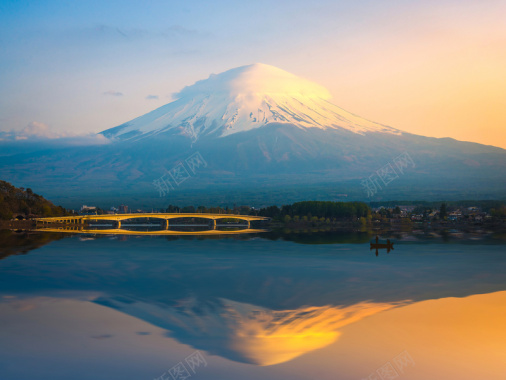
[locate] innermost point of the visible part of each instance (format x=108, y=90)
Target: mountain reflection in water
x=260, y=299
x=247, y=333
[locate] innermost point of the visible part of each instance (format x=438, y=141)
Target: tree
x=172, y=209
x=271, y=211
x=443, y=212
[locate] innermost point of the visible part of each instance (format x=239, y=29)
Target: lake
x=255, y=306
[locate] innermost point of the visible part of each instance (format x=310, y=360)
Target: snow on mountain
x=243, y=99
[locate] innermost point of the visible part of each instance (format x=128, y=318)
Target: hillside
x=19, y=201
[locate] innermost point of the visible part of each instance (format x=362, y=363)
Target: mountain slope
x=243, y=99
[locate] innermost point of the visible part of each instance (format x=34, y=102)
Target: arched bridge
x=82, y=219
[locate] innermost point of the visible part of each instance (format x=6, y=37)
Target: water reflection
x=61, y=338
x=249, y=299
x=147, y=230
x=22, y=242
x=313, y=236
x=244, y=332
x=388, y=245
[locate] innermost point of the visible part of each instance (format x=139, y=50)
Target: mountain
x=244, y=99
x=258, y=135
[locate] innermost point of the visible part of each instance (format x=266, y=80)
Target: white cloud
x=112, y=93
x=38, y=131
x=89, y=139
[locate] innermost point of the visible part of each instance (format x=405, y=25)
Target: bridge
x=163, y=217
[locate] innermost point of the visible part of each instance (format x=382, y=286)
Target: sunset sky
x=436, y=68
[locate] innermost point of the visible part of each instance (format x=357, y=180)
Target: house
x=455, y=215
x=87, y=209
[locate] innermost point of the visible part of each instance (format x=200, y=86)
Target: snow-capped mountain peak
x=243, y=99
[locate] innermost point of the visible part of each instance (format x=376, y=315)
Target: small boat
x=388, y=246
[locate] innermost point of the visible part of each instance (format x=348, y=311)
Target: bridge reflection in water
x=120, y=231
x=83, y=224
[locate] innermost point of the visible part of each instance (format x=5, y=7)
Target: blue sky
x=433, y=67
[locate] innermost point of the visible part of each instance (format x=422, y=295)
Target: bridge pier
x=119, y=224
x=214, y=224
x=249, y=224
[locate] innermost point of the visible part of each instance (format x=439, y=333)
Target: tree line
x=320, y=209
x=309, y=209
x=20, y=201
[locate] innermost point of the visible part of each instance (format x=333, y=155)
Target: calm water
x=319, y=306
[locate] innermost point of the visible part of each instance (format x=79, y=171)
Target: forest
x=308, y=209
x=24, y=203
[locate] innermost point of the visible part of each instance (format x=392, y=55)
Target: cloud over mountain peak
x=257, y=78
